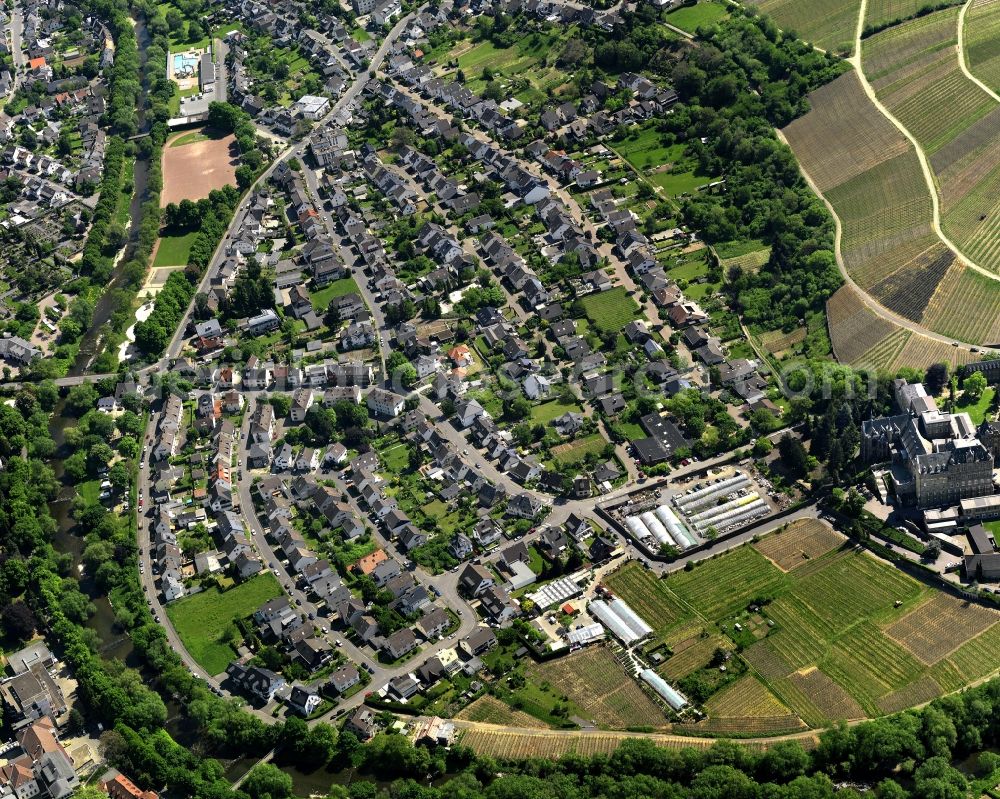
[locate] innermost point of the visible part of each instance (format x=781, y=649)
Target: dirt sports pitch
x=192, y=170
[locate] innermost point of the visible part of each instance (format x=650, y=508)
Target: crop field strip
x=746, y=697
x=884, y=12
x=598, y=684
x=691, y=658
x=724, y=585
x=870, y=174
x=974, y=660
x=982, y=41
x=817, y=699
x=917, y=692
x=491, y=710
x=941, y=625
x=870, y=665
x=914, y=68
x=520, y=744
x=828, y=25
x=802, y=541
x=915, y=72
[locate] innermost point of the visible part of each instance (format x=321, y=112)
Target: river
x=90, y=344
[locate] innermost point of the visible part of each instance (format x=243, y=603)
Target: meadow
x=690, y=18
x=203, y=620
x=610, y=310
x=174, y=250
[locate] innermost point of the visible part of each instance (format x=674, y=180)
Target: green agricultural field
x=829, y=24
x=982, y=42
x=203, y=620
x=174, y=250
x=690, y=18
x=610, y=310
x=821, y=641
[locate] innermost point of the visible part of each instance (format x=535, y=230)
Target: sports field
x=192, y=170
x=828, y=641
x=202, y=620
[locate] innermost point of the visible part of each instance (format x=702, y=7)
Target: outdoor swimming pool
x=185, y=63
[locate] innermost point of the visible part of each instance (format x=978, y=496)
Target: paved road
x=292, y=151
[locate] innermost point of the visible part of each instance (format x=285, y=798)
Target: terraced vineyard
x=862, y=338
x=829, y=24
x=982, y=41
x=915, y=72
x=856, y=331
x=870, y=174
x=965, y=307
x=885, y=12
x=799, y=543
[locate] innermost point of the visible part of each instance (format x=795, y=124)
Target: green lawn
x=977, y=410
x=359, y=34
x=575, y=451
x=397, y=458
x=690, y=18
x=547, y=411
x=190, y=137
x=89, y=490
x=174, y=250
x=643, y=148
x=610, y=310
x=202, y=620
x=321, y=299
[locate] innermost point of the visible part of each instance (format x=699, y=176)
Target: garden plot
x=800, y=542
x=938, y=627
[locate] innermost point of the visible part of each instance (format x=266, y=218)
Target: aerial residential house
x=385, y=403
x=121, y=787
x=302, y=400
x=255, y=680
x=480, y=640
x=344, y=678
x=400, y=643
x=303, y=701
x=362, y=721
x=44, y=770
x=475, y=579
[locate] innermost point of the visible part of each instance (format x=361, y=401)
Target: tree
x=936, y=378
x=118, y=476
x=267, y=781
x=81, y=399
x=974, y=386
x=793, y=455
x=19, y=621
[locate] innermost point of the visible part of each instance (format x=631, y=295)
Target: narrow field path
x=925, y=167
x=962, y=63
